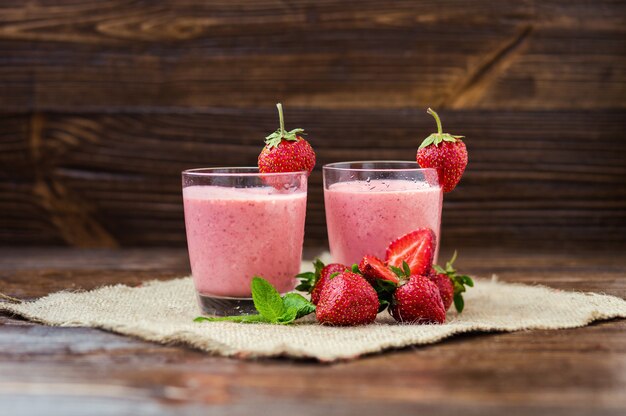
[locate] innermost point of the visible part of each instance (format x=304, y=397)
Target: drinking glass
x=371, y=203
x=242, y=223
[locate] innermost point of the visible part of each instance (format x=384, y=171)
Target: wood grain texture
x=102, y=104
x=72, y=56
x=550, y=178
x=62, y=370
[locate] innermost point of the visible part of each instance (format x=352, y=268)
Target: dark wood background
x=104, y=103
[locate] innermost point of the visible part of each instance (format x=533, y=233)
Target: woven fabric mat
x=163, y=312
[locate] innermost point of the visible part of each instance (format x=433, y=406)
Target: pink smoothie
x=364, y=217
x=234, y=234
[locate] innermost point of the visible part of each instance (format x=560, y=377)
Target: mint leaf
x=299, y=303
x=240, y=319
x=266, y=299
x=287, y=317
x=271, y=306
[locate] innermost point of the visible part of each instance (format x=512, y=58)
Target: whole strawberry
x=347, y=300
x=446, y=289
x=444, y=152
x=314, y=282
x=286, y=151
x=323, y=278
x=418, y=301
x=451, y=285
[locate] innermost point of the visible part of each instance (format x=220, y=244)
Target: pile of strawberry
x=407, y=283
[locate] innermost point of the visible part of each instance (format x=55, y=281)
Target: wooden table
x=69, y=371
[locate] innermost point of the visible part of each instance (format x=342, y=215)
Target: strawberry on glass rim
x=286, y=151
x=444, y=152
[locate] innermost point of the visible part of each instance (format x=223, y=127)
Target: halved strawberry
x=417, y=248
x=373, y=268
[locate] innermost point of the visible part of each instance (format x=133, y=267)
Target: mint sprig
x=458, y=282
x=274, y=139
x=272, y=308
x=440, y=136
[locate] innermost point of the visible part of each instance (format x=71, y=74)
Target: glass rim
x=334, y=166
x=245, y=171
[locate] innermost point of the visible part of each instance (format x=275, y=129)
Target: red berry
x=347, y=299
x=451, y=285
x=322, y=279
x=444, y=152
x=445, y=286
x=373, y=268
x=288, y=156
x=417, y=248
x=418, y=301
x=286, y=151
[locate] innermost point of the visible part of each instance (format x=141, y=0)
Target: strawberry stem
x=282, y=120
x=434, y=114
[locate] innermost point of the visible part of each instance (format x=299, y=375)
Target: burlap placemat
x=163, y=312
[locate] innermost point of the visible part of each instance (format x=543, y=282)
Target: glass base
x=219, y=306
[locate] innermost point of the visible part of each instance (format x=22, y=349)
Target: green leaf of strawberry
x=398, y=271
x=440, y=136
x=274, y=139
x=406, y=268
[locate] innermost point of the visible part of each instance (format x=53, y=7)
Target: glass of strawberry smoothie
x=241, y=223
x=371, y=203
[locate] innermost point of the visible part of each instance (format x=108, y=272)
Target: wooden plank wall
x=103, y=103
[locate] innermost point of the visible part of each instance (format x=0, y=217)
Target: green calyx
x=458, y=282
x=274, y=139
x=403, y=273
x=309, y=279
x=440, y=136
